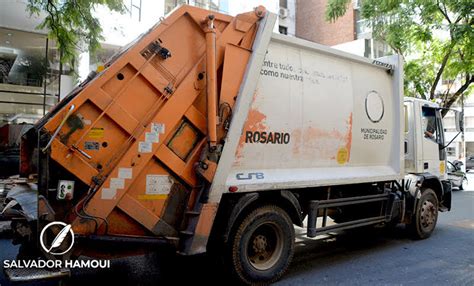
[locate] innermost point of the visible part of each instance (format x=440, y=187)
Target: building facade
x=287, y=17
x=349, y=33
x=30, y=71
x=462, y=146
x=311, y=24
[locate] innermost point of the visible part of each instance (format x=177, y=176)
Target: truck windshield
x=429, y=123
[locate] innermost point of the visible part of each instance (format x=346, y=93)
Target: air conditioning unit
x=283, y=13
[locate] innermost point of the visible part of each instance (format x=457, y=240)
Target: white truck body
x=310, y=117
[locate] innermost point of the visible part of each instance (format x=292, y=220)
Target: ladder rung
x=192, y=213
x=186, y=232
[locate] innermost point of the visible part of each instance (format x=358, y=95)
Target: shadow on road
x=164, y=267
x=322, y=253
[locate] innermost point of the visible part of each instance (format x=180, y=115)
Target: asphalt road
x=446, y=258
x=352, y=258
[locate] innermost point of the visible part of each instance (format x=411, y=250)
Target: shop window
x=29, y=76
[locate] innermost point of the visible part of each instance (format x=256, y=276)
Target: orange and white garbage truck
x=214, y=134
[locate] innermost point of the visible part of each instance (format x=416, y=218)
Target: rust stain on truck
x=349, y=137
x=326, y=142
x=296, y=137
x=255, y=122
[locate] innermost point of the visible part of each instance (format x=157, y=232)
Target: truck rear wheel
x=426, y=215
x=262, y=246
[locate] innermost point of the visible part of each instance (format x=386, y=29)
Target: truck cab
x=424, y=138
x=424, y=147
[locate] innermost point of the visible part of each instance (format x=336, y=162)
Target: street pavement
x=363, y=257
x=446, y=258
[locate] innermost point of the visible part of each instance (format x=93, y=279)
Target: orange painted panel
x=143, y=122
x=185, y=52
x=139, y=98
x=119, y=80
x=184, y=140
x=148, y=198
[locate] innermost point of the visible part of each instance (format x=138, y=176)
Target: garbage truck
x=212, y=133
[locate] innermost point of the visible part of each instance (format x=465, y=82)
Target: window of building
x=171, y=4
x=447, y=81
x=283, y=30
x=283, y=3
x=30, y=75
x=205, y=4
x=450, y=130
x=102, y=56
x=136, y=9
x=361, y=25
x=449, y=122
x=451, y=151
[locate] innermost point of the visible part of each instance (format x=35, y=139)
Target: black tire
x=261, y=246
x=425, y=217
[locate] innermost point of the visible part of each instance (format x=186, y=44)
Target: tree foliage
x=435, y=38
x=72, y=25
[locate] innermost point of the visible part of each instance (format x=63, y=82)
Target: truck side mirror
x=459, y=118
x=457, y=165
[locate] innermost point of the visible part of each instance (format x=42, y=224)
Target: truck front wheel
x=262, y=245
x=426, y=215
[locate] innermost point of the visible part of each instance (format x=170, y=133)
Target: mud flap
x=445, y=204
x=27, y=197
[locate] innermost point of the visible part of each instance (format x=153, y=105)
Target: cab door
x=432, y=134
x=409, y=137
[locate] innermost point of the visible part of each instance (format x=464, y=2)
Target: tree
x=72, y=25
x=434, y=37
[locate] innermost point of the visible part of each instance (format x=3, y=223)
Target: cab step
x=316, y=205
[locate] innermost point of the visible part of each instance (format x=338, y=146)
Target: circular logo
x=374, y=106
x=60, y=238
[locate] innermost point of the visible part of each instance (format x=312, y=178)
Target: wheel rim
x=265, y=246
x=428, y=215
